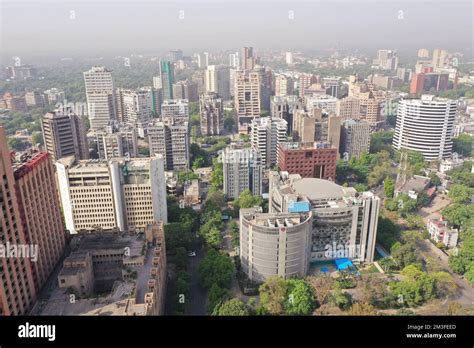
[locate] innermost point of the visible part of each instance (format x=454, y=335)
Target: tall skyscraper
x=167, y=79
x=217, y=80
x=285, y=108
x=234, y=61
x=247, y=61
x=355, y=138
x=177, y=109
x=100, y=94
x=64, y=135
x=439, y=58
x=426, y=125
x=40, y=211
x=266, y=85
x=17, y=287
x=117, y=142
x=134, y=106
x=247, y=97
x=211, y=113
x=283, y=86
x=386, y=59
x=423, y=53
x=171, y=140
x=186, y=90
x=242, y=171
x=127, y=194
x=289, y=58
x=266, y=135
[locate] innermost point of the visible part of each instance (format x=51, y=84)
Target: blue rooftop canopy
x=343, y=264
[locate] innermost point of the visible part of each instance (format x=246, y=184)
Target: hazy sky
x=100, y=26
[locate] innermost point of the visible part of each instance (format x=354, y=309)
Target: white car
x=192, y=254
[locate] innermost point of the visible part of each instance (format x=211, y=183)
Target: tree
x=217, y=175
x=37, y=138
x=181, y=258
x=444, y=284
x=381, y=141
x=16, y=144
x=216, y=296
x=422, y=200
x=273, y=295
x=300, y=298
x=460, y=193
x=234, y=307
x=405, y=254
x=462, y=145
x=248, y=200
x=322, y=285
x=434, y=179
x=389, y=187
x=362, y=309
x=215, y=268
x=215, y=200
x=376, y=292
x=457, y=214
x=341, y=299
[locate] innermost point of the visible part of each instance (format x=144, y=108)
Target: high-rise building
x=171, y=140
x=100, y=94
x=425, y=125
x=310, y=160
x=370, y=101
x=115, y=142
x=424, y=82
x=439, y=58
x=242, y=171
x=64, y=135
x=127, y=194
x=186, y=90
x=247, y=61
x=314, y=126
x=348, y=108
x=134, y=106
x=423, y=53
x=344, y=221
x=247, y=97
x=36, y=99
x=175, y=55
x=266, y=134
x=386, y=59
x=266, y=85
x=54, y=96
x=283, y=85
x=167, y=79
x=304, y=81
x=289, y=58
x=331, y=84
x=211, y=113
x=40, y=211
x=217, y=80
x=234, y=61
x=177, y=109
x=17, y=287
x=276, y=244
x=285, y=107
x=355, y=138
x=322, y=101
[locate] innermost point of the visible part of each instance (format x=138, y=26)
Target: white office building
x=266, y=133
x=100, y=96
x=127, y=194
x=426, y=125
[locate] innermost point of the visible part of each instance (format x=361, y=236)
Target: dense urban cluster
x=254, y=182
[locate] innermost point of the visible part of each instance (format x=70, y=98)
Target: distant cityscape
x=243, y=182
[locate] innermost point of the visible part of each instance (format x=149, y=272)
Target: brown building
x=310, y=160
x=13, y=103
x=64, y=135
x=429, y=81
x=17, y=290
x=40, y=212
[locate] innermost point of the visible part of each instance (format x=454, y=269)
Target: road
x=198, y=295
x=466, y=292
